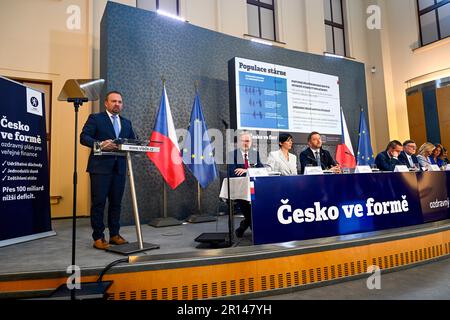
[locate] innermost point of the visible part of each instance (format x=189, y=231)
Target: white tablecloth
x=239, y=189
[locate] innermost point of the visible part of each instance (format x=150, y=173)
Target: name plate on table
x=447, y=167
x=257, y=172
x=309, y=171
x=363, y=169
x=401, y=168
x=434, y=167
x=135, y=148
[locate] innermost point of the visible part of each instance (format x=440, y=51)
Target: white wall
x=407, y=63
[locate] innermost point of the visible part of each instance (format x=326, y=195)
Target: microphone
x=315, y=160
x=225, y=124
x=136, y=136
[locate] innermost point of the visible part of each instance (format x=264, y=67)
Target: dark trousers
x=246, y=209
x=111, y=187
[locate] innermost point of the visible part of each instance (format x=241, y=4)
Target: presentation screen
x=274, y=98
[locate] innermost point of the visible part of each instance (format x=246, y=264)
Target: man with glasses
x=408, y=155
x=240, y=160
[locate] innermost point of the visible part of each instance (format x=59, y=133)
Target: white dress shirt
x=410, y=160
x=277, y=162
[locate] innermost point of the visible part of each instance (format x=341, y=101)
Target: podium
x=126, y=149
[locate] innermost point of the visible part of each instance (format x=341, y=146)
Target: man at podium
x=107, y=172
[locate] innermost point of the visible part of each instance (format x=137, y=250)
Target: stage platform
x=54, y=253
x=184, y=269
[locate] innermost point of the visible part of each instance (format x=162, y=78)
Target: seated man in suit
x=107, y=173
x=387, y=160
x=239, y=161
x=283, y=161
x=316, y=156
x=408, y=155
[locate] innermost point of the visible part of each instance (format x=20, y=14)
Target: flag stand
x=165, y=221
x=199, y=217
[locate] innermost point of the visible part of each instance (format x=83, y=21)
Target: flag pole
x=197, y=217
x=199, y=194
x=165, y=201
x=165, y=220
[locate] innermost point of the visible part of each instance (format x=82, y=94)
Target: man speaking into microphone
x=107, y=172
x=316, y=156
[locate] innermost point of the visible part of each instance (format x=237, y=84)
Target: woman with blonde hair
x=424, y=153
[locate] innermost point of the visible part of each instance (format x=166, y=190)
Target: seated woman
x=435, y=157
x=424, y=153
x=282, y=160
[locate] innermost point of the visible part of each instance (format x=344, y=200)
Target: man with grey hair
x=241, y=159
x=408, y=155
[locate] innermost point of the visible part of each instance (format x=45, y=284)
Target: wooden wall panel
x=443, y=103
x=416, y=117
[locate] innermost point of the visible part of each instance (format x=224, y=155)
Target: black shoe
x=240, y=232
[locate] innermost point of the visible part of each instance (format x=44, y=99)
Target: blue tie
x=319, y=163
x=116, y=125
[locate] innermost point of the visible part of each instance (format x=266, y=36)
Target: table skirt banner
x=307, y=207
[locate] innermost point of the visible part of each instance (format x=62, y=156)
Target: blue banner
x=308, y=207
x=24, y=172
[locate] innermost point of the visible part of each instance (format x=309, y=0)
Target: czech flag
x=168, y=160
x=344, y=152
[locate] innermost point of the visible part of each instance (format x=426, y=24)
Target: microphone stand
x=77, y=103
x=216, y=238
x=230, y=207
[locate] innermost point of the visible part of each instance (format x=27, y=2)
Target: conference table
x=288, y=208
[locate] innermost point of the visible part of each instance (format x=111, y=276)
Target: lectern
x=128, y=147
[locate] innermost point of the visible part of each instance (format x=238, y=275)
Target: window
x=169, y=6
x=334, y=27
x=434, y=20
x=261, y=19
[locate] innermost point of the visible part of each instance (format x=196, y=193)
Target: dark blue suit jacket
x=404, y=159
x=98, y=127
x=237, y=160
x=385, y=163
x=307, y=157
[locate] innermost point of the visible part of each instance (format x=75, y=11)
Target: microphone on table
x=315, y=160
x=225, y=123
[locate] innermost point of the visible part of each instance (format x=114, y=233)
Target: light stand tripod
x=217, y=238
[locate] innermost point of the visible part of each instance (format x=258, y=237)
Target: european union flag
x=365, y=154
x=197, y=152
